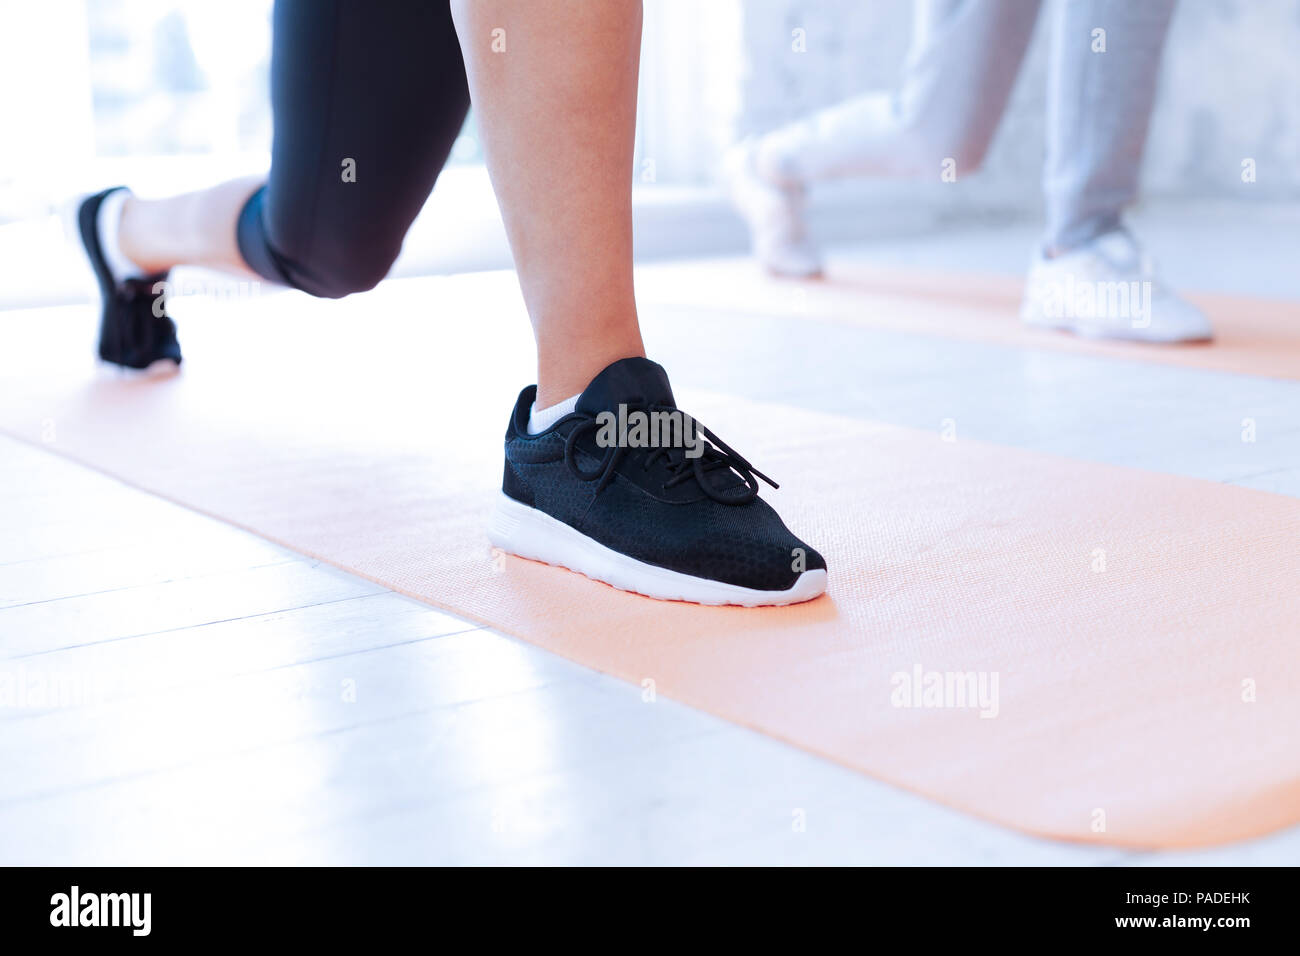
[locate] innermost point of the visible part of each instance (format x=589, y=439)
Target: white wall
x=1230, y=90
x=45, y=114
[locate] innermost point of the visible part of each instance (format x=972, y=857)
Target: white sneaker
x=774, y=213
x=1108, y=289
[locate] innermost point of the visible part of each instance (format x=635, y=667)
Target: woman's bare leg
x=195, y=228
x=553, y=83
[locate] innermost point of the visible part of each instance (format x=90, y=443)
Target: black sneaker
x=646, y=518
x=134, y=331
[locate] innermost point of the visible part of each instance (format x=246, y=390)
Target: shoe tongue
x=626, y=381
x=641, y=380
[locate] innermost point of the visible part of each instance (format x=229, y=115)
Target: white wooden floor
x=228, y=701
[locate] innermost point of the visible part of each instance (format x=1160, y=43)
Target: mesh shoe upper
x=698, y=516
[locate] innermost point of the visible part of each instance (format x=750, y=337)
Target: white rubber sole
x=529, y=533
x=1154, y=335
x=1115, y=333
x=158, y=368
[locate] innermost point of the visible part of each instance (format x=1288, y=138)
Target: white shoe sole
x=529, y=533
x=784, y=270
x=1117, y=333
x=157, y=369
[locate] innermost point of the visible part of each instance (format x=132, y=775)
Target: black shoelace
x=717, y=455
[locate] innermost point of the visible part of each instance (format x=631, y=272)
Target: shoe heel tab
x=523, y=409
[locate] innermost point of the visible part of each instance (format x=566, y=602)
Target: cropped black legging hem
x=367, y=100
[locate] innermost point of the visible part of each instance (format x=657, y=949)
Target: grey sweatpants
x=959, y=72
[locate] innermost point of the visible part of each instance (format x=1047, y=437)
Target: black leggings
x=380, y=83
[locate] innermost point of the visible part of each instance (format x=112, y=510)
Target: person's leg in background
x=957, y=78
x=1105, y=61
x=554, y=85
x=1101, y=89
x=367, y=100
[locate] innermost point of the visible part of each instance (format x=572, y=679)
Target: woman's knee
x=340, y=269
x=333, y=261
x=327, y=261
